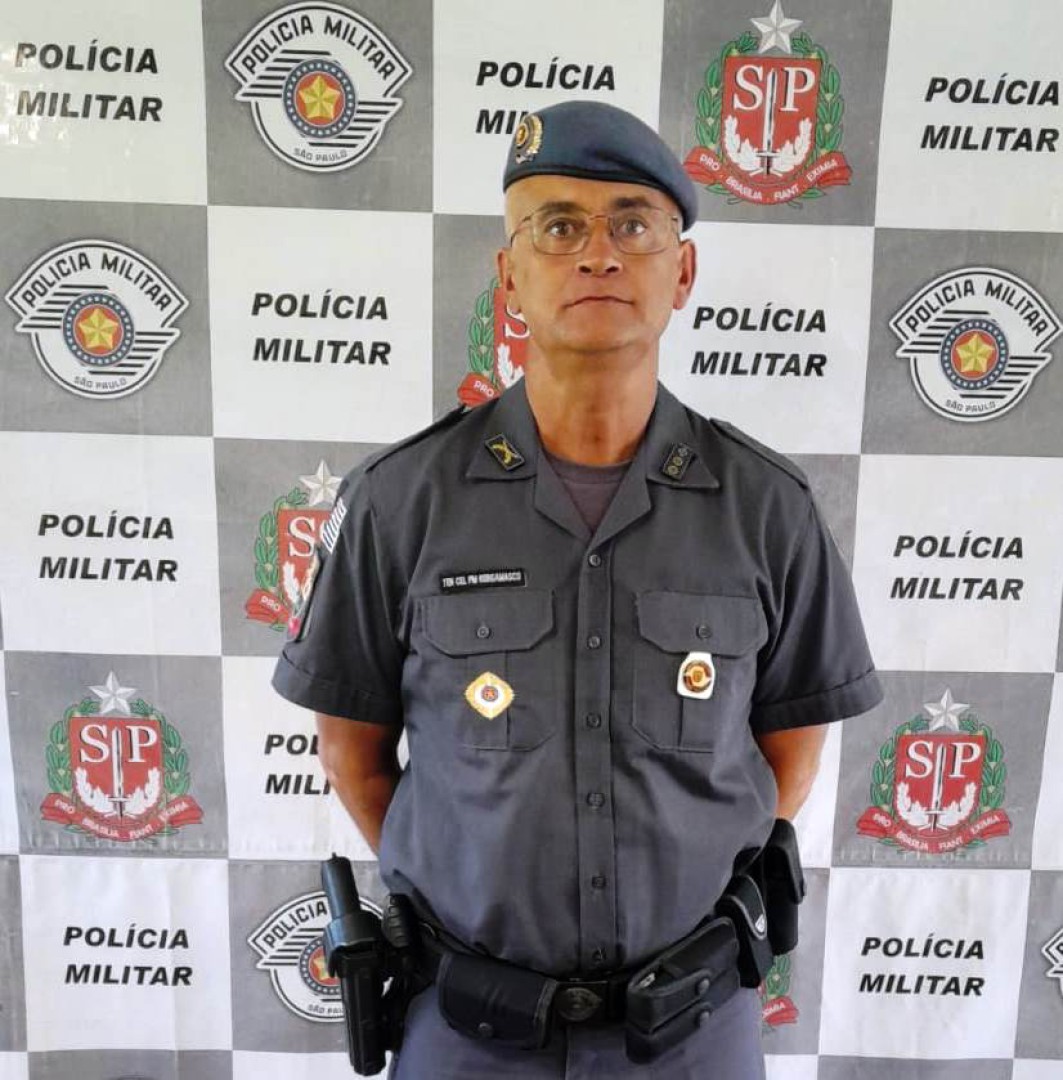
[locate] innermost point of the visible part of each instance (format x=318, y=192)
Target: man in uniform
x=612, y=631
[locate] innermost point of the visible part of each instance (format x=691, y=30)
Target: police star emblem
x=489, y=695
x=697, y=676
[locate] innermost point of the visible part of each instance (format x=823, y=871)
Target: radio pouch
x=488, y=1000
x=666, y=999
x=743, y=905
x=784, y=886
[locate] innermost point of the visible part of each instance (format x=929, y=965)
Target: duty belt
x=575, y=1001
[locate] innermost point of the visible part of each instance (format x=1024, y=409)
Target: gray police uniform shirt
x=598, y=818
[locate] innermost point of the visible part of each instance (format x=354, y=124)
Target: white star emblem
x=321, y=486
x=113, y=697
x=945, y=713
x=775, y=29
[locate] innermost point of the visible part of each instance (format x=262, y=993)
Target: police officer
x=611, y=630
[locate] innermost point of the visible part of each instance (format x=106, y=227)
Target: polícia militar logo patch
x=100, y=316
x=974, y=339
x=322, y=83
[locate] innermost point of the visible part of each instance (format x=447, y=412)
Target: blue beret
x=595, y=141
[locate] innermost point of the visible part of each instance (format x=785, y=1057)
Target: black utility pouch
x=488, y=1000
x=743, y=905
x=666, y=1000
x=784, y=886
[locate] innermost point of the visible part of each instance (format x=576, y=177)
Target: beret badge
x=528, y=139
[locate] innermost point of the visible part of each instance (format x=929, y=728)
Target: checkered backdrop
x=244, y=245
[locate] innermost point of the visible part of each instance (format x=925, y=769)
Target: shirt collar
x=669, y=428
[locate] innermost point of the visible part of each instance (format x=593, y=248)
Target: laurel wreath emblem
x=176, y=778
x=482, y=336
x=994, y=771
x=830, y=105
x=267, y=548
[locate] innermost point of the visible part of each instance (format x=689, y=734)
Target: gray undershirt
x=591, y=487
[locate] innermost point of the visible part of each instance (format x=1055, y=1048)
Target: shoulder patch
x=776, y=459
x=445, y=421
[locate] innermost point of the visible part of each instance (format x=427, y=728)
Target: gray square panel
x=176, y=400
x=243, y=170
x=252, y=475
x=1040, y=1031
x=131, y=1065
x=854, y=35
x=12, y=980
x=186, y=690
x=896, y=419
x=1014, y=707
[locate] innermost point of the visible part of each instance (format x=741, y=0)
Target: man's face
x=599, y=299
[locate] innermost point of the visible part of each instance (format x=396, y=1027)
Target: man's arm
x=793, y=755
x=362, y=765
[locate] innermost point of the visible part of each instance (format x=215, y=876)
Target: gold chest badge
x=489, y=695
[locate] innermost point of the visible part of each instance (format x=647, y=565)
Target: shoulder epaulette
x=445, y=421
x=776, y=459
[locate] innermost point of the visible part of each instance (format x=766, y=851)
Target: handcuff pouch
x=667, y=999
x=744, y=906
x=489, y=1000
x=784, y=886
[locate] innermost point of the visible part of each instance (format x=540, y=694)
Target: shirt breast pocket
x=672, y=626
x=478, y=635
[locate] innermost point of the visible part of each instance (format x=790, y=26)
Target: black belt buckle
x=576, y=1003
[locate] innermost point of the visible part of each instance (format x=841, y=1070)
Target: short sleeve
x=345, y=659
x=816, y=666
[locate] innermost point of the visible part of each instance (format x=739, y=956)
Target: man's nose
x=601, y=255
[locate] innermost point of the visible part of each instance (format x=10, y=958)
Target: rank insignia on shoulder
x=489, y=695
x=677, y=462
x=504, y=452
x=697, y=676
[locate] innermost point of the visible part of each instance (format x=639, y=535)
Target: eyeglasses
x=639, y=230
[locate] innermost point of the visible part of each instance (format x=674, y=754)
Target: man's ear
x=688, y=272
x=503, y=264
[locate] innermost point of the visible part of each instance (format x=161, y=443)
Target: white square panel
x=14, y=1067
x=883, y=998
x=103, y=101
x=274, y=780
x=814, y=822
x=774, y=336
x=109, y=544
x=493, y=62
x=957, y=562
x=321, y=323
x=126, y=953
x=959, y=74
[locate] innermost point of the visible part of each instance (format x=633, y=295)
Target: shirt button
x=593, y=720
x=594, y=642
x=598, y=882
x=595, y=799
x=598, y=957
x=594, y=559
x=484, y=1030
x=483, y=632
x=703, y=631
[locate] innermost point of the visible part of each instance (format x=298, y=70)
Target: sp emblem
x=489, y=695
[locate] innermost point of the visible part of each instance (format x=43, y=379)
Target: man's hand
x=362, y=765
x=794, y=758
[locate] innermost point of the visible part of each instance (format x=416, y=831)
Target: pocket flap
x=488, y=622
x=692, y=622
